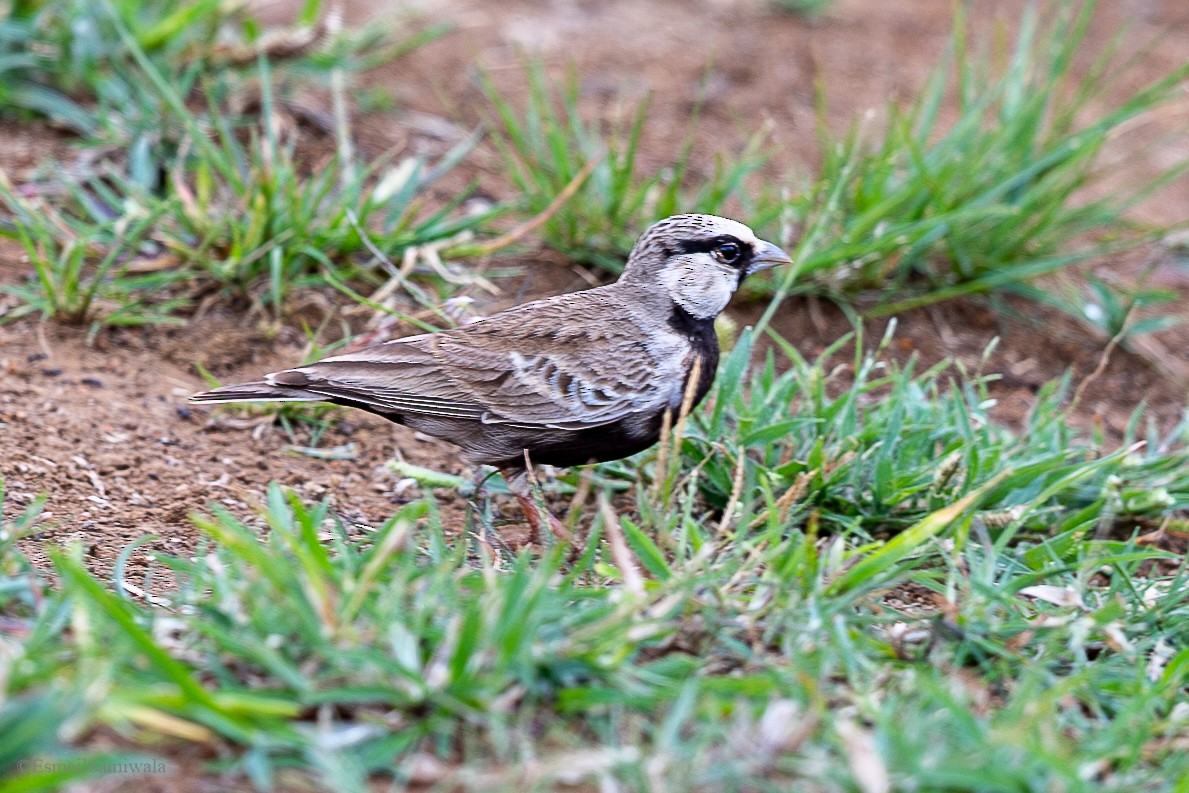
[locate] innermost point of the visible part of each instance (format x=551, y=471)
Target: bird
x=567, y=380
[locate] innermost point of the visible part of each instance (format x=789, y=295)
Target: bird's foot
x=538, y=517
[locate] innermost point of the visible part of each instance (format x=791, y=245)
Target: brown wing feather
x=538, y=365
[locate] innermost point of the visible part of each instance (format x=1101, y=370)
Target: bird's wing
x=566, y=364
x=535, y=366
x=402, y=376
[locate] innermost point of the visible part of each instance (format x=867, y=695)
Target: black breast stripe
x=704, y=344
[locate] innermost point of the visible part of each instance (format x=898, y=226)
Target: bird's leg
x=527, y=489
x=479, y=506
x=479, y=523
x=479, y=485
x=535, y=516
x=540, y=509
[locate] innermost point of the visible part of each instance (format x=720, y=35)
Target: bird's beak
x=766, y=257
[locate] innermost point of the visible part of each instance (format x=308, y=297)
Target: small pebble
x=52, y=372
x=34, y=357
x=93, y=382
x=184, y=413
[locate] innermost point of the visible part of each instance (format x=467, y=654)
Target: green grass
x=677, y=648
x=83, y=271
x=547, y=145
x=245, y=213
x=29, y=721
x=67, y=60
x=1117, y=310
x=232, y=207
x=71, y=61
x=987, y=180
x=809, y=8
x=984, y=192
x=933, y=207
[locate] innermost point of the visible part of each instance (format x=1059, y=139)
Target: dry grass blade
x=795, y=492
x=687, y=402
x=530, y=225
x=736, y=492
x=279, y=45
x=633, y=582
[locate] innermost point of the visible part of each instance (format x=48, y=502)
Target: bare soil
x=103, y=427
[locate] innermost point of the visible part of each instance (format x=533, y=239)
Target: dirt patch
x=105, y=430
x=745, y=62
x=108, y=435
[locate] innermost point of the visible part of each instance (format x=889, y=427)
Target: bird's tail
x=258, y=391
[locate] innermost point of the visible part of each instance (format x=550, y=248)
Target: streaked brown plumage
x=572, y=379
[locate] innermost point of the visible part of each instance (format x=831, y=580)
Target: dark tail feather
x=258, y=391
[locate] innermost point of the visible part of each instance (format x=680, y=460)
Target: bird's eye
x=727, y=252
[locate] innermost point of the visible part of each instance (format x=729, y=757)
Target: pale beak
x=766, y=257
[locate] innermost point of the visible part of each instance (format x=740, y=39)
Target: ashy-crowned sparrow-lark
x=576, y=378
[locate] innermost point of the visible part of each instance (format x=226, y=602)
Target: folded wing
x=531, y=367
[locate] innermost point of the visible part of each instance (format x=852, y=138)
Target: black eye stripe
x=711, y=244
x=708, y=244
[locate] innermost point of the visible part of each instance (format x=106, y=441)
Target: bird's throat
x=693, y=328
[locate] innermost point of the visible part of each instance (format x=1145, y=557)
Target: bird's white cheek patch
x=703, y=292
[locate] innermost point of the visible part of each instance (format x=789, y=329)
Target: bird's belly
x=504, y=446
x=598, y=444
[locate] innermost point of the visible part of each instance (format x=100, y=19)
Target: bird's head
x=699, y=260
